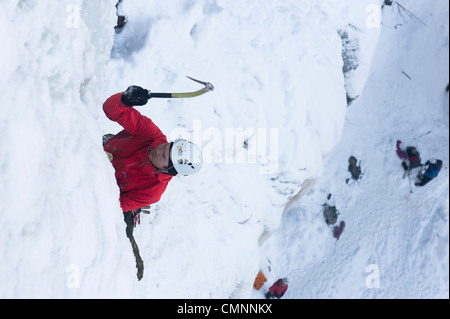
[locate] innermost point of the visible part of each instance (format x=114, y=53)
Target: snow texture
x=276, y=135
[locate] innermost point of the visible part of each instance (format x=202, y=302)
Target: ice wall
x=277, y=69
x=52, y=52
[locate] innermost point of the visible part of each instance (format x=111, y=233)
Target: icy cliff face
x=359, y=40
x=48, y=136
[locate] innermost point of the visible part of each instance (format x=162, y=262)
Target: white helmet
x=432, y=160
x=186, y=157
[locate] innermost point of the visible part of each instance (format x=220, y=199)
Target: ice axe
x=420, y=136
x=208, y=87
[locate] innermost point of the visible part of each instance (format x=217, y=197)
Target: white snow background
x=280, y=92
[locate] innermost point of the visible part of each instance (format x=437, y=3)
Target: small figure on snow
x=337, y=230
x=410, y=156
x=329, y=211
x=354, y=168
x=433, y=167
x=331, y=216
x=278, y=289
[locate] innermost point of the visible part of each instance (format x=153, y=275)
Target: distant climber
x=433, y=167
x=278, y=289
x=259, y=281
x=143, y=159
x=337, y=230
x=331, y=215
x=410, y=156
x=354, y=168
x=329, y=211
x=121, y=18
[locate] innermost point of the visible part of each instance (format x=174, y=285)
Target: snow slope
x=277, y=114
x=398, y=236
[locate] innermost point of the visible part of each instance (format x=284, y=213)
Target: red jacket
x=277, y=290
x=139, y=181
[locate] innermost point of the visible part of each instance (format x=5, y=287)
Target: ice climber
x=278, y=289
x=410, y=156
x=353, y=168
x=143, y=159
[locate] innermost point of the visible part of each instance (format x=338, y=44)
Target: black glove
x=135, y=95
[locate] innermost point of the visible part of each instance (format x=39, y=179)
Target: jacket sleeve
x=130, y=119
x=138, y=198
x=400, y=153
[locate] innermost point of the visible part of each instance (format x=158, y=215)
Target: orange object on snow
x=259, y=281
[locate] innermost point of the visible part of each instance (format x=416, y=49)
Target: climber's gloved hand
x=135, y=95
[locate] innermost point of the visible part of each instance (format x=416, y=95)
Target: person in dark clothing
x=413, y=157
x=354, y=168
x=410, y=156
x=121, y=18
x=329, y=211
x=433, y=168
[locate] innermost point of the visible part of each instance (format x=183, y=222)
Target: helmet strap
x=171, y=170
